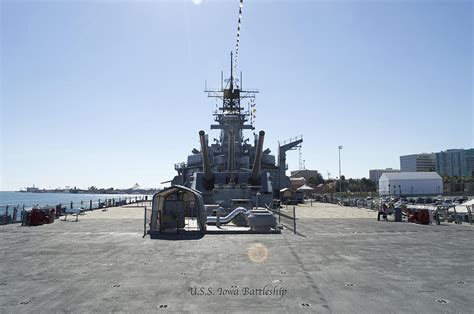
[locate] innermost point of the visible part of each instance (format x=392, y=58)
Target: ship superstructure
x=233, y=169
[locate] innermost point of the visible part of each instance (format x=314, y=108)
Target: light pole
x=340, y=181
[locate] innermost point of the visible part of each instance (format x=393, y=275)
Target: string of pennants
x=239, y=25
x=253, y=110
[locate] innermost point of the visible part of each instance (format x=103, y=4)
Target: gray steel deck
x=353, y=265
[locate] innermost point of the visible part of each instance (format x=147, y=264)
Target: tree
x=341, y=185
x=356, y=185
x=367, y=185
x=316, y=180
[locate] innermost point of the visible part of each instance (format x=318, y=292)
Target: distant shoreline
x=99, y=191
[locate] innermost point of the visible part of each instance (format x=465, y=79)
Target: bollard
x=23, y=216
x=90, y=205
x=5, y=220
x=71, y=205
x=470, y=213
x=294, y=220
x=144, y=224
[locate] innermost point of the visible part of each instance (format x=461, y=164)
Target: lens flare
x=258, y=253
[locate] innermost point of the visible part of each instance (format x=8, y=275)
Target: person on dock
x=382, y=211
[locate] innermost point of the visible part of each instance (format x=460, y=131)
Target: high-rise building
x=418, y=162
x=470, y=161
x=455, y=162
x=375, y=174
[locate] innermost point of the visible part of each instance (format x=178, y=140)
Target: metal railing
x=290, y=140
x=442, y=213
x=14, y=213
x=287, y=218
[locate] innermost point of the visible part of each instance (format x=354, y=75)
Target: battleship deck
x=343, y=261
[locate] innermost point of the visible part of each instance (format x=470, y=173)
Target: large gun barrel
x=231, y=160
x=255, y=175
x=208, y=178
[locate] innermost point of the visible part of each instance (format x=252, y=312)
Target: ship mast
x=231, y=74
x=231, y=117
x=231, y=96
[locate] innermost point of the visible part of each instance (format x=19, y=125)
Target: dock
x=342, y=260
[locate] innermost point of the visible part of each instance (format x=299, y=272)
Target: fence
x=14, y=213
x=287, y=218
x=443, y=212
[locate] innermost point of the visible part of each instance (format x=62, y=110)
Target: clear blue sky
x=109, y=93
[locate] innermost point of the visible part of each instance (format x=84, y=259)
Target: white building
x=410, y=183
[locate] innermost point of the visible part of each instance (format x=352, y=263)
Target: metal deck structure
x=340, y=265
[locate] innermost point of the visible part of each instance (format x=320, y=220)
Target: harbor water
x=31, y=199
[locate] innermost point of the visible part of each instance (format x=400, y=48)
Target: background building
x=411, y=183
x=306, y=173
x=455, y=162
x=297, y=182
x=32, y=189
x=418, y=162
x=375, y=174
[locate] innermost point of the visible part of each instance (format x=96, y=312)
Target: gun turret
x=208, y=177
x=255, y=175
